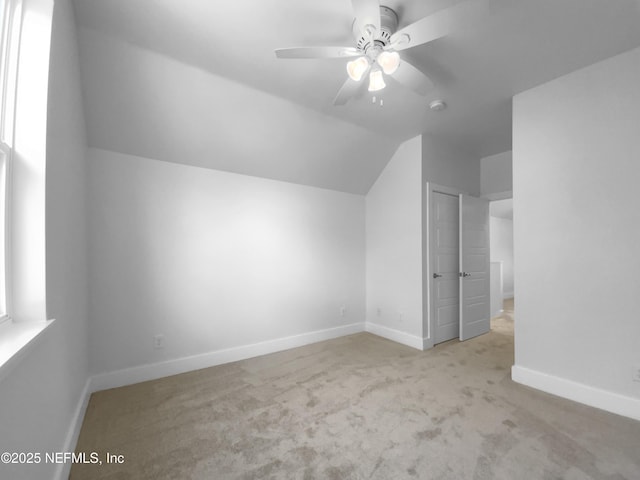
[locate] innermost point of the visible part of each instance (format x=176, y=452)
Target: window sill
x=16, y=339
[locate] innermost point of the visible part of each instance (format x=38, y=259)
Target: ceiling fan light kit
x=389, y=62
x=378, y=42
x=357, y=68
x=376, y=81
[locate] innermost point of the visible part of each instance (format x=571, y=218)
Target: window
x=10, y=15
x=25, y=47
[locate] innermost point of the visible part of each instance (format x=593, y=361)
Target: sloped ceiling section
x=197, y=81
x=143, y=103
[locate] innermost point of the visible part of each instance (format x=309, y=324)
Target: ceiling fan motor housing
x=388, y=26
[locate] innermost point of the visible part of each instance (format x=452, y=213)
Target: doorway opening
x=501, y=246
x=458, y=273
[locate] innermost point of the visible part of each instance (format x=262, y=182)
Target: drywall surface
x=168, y=110
x=501, y=240
x=213, y=260
x=577, y=227
x=39, y=398
x=446, y=165
x=394, y=243
x=496, y=174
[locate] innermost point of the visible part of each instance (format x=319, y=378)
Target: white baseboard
x=153, y=371
x=63, y=469
x=395, y=335
x=578, y=392
x=507, y=295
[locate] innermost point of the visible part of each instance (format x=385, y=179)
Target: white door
x=474, y=267
x=444, y=270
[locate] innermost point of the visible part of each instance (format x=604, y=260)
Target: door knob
x=465, y=274
x=436, y=275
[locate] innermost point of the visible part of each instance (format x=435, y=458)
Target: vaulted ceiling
x=197, y=81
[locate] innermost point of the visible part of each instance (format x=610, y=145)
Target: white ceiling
x=197, y=81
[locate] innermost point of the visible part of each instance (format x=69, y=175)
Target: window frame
x=5, y=155
x=10, y=31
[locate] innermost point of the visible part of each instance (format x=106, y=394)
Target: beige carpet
x=358, y=407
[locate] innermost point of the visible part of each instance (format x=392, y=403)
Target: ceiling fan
x=378, y=42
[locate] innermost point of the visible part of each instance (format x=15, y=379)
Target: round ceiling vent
x=437, y=105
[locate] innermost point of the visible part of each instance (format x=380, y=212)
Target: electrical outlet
x=378, y=311
x=636, y=373
x=158, y=341
x=343, y=311
x=400, y=316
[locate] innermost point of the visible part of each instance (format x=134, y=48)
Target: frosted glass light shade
x=357, y=68
x=388, y=61
x=376, y=82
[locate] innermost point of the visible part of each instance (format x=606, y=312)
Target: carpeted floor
x=358, y=407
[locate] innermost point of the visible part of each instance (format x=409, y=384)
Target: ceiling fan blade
x=348, y=90
x=317, y=52
x=412, y=78
x=367, y=13
x=423, y=31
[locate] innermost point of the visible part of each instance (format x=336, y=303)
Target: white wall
x=394, y=247
x=576, y=167
x=501, y=240
x=214, y=260
x=496, y=289
x=40, y=397
x=496, y=175
x=449, y=166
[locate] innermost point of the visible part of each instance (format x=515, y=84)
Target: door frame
x=428, y=316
